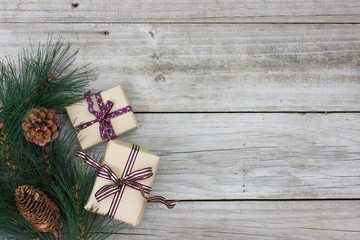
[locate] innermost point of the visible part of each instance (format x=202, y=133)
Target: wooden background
x=253, y=106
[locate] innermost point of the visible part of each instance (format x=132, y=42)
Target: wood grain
x=252, y=156
x=215, y=67
x=250, y=220
x=248, y=175
x=248, y=11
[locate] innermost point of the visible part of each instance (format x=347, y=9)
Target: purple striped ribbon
x=103, y=117
x=128, y=178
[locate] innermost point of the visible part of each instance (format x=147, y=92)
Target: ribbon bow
x=103, y=117
x=127, y=179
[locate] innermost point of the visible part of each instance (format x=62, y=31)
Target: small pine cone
x=39, y=210
x=43, y=86
x=41, y=126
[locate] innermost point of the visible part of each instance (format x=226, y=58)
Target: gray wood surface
x=248, y=11
x=250, y=220
x=253, y=106
x=215, y=67
x=252, y=156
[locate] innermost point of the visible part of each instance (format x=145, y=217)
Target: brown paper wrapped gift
x=90, y=136
x=132, y=204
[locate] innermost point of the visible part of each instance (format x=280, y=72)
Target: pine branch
x=5, y=148
x=47, y=160
x=45, y=78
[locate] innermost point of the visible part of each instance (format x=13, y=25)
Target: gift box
x=132, y=204
x=102, y=116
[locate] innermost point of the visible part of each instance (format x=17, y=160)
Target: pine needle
x=45, y=77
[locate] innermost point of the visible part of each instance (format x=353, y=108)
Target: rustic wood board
x=200, y=11
x=215, y=85
x=252, y=156
x=215, y=67
x=250, y=220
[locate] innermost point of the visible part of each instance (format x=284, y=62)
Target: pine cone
x=44, y=86
x=39, y=210
x=40, y=126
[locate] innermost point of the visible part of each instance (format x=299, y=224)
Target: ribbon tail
x=115, y=203
x=160, y=199
x=87, y=159
x=106, y=129
x=168, y=203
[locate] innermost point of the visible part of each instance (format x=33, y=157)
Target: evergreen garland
x=44, y=78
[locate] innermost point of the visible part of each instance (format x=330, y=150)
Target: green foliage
x=26, y=84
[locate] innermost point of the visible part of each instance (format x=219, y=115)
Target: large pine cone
x=39, y=210
x=41, y=126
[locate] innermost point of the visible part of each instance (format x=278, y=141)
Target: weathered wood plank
x=202, y=67
x=250, y=220
x=180, y=11
x=252, y=156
